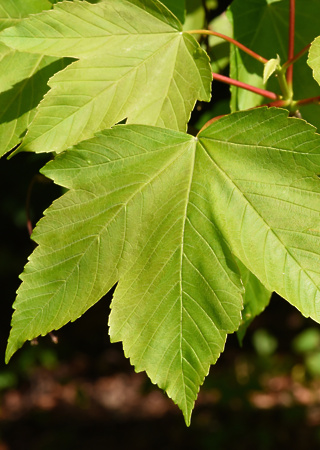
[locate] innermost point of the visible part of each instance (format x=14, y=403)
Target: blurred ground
x=82, y=393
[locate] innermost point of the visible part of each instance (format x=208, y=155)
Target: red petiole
x=296, y=57
x=291, y=41
x=248, y=87
x=232, y=41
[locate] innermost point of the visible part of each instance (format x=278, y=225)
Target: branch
x=291, y=41
x=306, y=101
x=296, y=57
x=211, y=121
x=277, y=103
x=232, y=41
x=246, y=86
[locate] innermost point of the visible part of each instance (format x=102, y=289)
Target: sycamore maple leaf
x=163, y=213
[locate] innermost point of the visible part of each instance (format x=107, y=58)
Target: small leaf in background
x=264, y=342
x=307, y=341
x=143, y=69
x=314, y=58
x=211, y=4
x=270, y=67
x=313, y=364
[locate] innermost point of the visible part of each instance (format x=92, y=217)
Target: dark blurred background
x=82, y=392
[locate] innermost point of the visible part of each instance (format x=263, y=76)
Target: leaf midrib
x=182, y=254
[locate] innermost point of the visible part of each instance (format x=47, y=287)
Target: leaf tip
x=16, y=149
x=9, y=352
x=187, y=419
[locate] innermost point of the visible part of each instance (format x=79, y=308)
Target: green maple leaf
x=270, y=22
x=135, y=63
x=23, y=76
x=314, y=58
x=162, y=213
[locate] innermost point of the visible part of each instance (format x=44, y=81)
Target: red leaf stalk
x=232, y=41
x=248, y=87
x=291, y=40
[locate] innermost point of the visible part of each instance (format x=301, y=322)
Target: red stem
x=214, y=119
x=306, y=101
x=233, y=41
x=248, y=87
x=277, y=103
x=296, y=57
x=291, y=40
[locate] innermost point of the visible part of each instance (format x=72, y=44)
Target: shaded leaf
x=135, y=63
x=177, y=7
x=12, y=11
x=23, y=83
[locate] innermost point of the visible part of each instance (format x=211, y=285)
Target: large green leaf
x=135, y=63
x=269, y=20
x=157, y=211
x=314, y=58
